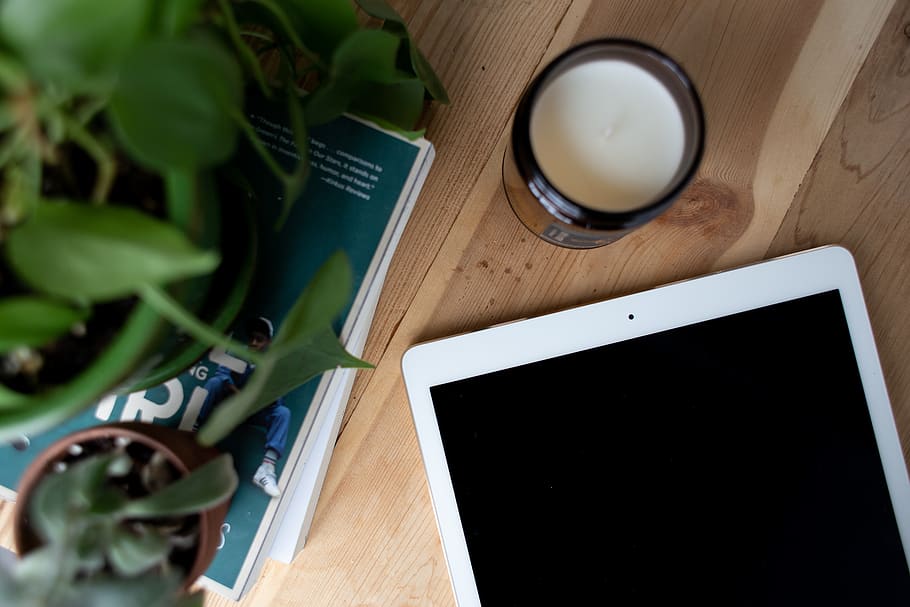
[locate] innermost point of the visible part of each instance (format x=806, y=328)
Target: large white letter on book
x=148, y=410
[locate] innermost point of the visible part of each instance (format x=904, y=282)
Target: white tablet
x=722, y=440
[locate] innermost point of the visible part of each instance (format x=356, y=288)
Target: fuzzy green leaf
x=205, y=487
x=400, y=104
x=366, y=56
x=97, y=253
x=75, y=43
x=131, y=554
x=172, y=17
x=280, y=372
x=395, y=24
x=35, y=321
x=323, y=24
x=26, y=583
x=425, y=72
x=149, y=590
x=173, y=104
x=369, y=56
x=20, y=190
x=66, y=496
x=329, y=101
x=10, y=399
x=304, y=347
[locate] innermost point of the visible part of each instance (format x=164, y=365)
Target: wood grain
x=374, y=539
x=808, y=113
x=473, y=47
x=857, y=193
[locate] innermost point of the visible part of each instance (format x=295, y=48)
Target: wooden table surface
x=808, y=122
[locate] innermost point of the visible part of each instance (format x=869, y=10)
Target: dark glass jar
x=553, y=215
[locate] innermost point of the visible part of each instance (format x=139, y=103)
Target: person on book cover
x=275, y=418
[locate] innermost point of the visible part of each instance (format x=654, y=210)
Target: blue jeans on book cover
x=276, y=418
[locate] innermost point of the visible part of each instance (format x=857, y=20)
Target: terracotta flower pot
x=178, y=447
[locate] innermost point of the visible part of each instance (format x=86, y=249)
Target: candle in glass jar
x=608, y=135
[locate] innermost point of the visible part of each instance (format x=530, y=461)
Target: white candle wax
x=608, y=135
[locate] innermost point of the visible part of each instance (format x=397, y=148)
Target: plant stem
x=12, y=147
x=107, y=167
x=166, y=306
x=90, y=109
x=255, y=34
x=285, y=23
x=254, y=140
x=179, y=186
x=249, y=57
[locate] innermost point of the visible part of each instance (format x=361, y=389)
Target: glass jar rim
x=561, y=205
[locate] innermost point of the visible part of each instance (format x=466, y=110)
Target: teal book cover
x=362, y=182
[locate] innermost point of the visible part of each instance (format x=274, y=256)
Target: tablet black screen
x=727, y=462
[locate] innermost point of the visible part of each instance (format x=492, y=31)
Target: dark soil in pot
x=218, y=217
x=60, y=361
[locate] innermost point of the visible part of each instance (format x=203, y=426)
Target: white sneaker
x=265, y=480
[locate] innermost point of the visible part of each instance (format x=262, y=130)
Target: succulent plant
x=114, y=524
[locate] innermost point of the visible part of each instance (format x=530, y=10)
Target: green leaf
x=78, y=44
x=323, y=24
x=395, y=24
x=20, y=189
x=329, y=101
x=172, y=17
x=426, y=73
x=205, y=487
x=368, y=56
x=280, y=372
x=84, y=252
x=400, y=103
x=152, y=589
x=130, y=554
x=10, y=399
x=304, y=347
x=63, y=497
x=35, y=321
x=319, y=303
x=13, y=77
x=173, y=104
x=27, y=582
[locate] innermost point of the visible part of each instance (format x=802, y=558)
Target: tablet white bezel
x=674, y=305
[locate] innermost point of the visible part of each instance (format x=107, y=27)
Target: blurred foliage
x=93, y=88
x=100, y=546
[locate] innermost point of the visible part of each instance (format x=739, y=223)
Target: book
x=363, y=184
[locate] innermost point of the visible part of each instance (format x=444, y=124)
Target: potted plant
x=123, y=514
x=121, y=128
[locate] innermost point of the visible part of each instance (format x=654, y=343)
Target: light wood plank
x=484, y=52
x=857, y=193
x=808, y=140
x=490, y=269
x=825, y=69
